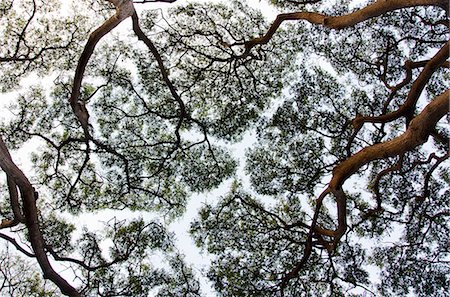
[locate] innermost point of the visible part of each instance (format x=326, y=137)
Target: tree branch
x=141, y=36
x=124, y=9
x=32, y=221
x=375, y=9
x=417, y=133
x=153, y=1
x=407, y=108
x=16, y=245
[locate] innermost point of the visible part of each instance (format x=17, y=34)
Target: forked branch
x=124, y=9
x=418, y=132
x=32, y=221
x=375, y=9
x=407, y=108
x=165, y=75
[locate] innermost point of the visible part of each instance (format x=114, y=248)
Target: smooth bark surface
x=124, y=9
x=32, y=221
x=375, y=9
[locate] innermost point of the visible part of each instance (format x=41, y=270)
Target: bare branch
x=17, y=245
x=407, y=108
x=13, y=194
x=141, y=36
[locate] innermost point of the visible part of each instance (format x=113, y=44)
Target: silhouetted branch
x=123, y=10
x=339, y=22
x=32, y=221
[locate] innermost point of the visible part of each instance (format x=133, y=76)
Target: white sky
x=180, y=227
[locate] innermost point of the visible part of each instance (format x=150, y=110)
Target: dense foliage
x=345, y=190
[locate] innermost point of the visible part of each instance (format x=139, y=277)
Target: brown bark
x=375, y=9
x=32, y=221
x=420, y=128
x=417, y=133
x=124, y=9
x=13, y=193
x=407, y=108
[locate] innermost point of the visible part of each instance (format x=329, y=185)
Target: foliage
x=130, y=122
x=19, y=278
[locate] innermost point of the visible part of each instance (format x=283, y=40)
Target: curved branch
x=407, y=108
x=428, y=175
x=32, y=221
x=16, y=245
x=21, y=35
x=141, y=36
x=308, y=246
x=417, y=133
x=375, y=9
x=13, y=193
x=124, y=9
x=376, y=183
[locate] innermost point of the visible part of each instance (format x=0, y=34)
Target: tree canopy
x=127, y=107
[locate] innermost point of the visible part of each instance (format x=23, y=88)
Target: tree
x=346, y=92
x=20, y=279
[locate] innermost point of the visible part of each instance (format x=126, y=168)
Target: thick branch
x=14, y=200
x=32, y=221
x=417, y=133
x=124, y=9
x=407, y=108
x=13, y=193
x=375, y=9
